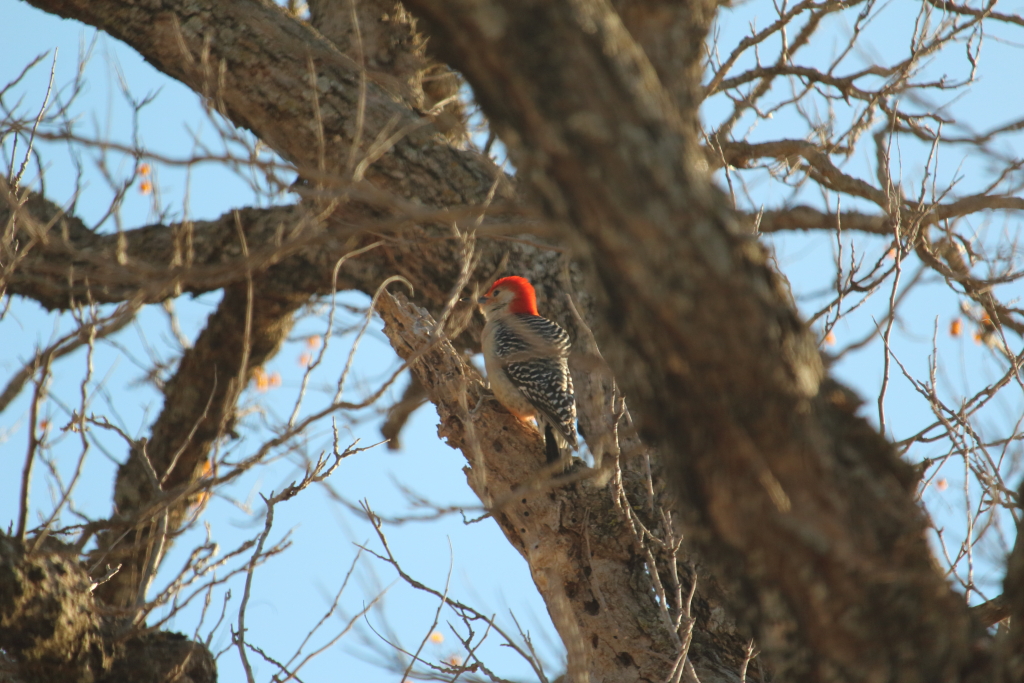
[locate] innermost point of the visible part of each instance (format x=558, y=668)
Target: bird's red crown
x=525, y=298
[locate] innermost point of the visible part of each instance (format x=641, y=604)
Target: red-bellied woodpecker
x=525, y=356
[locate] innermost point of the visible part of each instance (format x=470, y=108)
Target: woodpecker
x=525, y=356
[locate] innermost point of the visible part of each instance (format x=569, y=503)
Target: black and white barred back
x=544, y=380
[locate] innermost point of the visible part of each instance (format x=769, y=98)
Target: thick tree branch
x=59, y=261
x=253, y=62
x=573, y=536
x=809, y=218
x=243, y=333
x=819, y=165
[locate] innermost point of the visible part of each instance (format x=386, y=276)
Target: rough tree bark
x=585, y=562
x=51, y=623
x=795, y=505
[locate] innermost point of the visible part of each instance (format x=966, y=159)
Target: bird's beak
x=482, y=300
